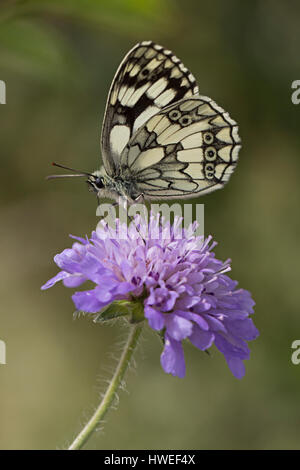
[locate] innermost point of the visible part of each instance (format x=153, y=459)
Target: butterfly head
x=96, y=182
x=104, y=186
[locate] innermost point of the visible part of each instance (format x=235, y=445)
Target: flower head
x=184, y=289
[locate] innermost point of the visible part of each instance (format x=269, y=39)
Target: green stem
x=110, y=393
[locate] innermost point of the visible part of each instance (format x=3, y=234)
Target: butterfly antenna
x=76, y=173
x=71, y=169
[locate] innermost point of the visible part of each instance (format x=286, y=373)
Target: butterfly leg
x=140, y=199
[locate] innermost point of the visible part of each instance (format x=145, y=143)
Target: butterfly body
x=112, y=188
x=160, y=138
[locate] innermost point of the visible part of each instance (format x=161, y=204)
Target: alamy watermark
x=2, y=92
x=183, y=215
x=295, y=357
x=296, y=94
x=2, y=352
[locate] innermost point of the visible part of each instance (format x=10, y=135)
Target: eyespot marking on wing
x=187, y=146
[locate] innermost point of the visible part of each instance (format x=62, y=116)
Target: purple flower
x=184, y=289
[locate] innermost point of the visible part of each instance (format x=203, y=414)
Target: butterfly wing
x=187, y=149
x=148, y=79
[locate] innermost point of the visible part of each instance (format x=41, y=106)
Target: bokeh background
x=58, y=59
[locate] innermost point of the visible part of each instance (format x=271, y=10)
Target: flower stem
x=110, y=393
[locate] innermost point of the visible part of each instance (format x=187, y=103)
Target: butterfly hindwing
x=187, y=148
x=148, y=79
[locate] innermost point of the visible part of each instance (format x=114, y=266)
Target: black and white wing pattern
x=187, y=149
x=148, y=79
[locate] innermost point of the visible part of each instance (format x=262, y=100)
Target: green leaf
x=119, y=308
x=137, y=311
x=134, y=309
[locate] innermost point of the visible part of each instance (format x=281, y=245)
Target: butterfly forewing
x=149, y=79
x=187, y=148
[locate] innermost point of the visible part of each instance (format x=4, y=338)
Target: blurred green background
x=58, y=59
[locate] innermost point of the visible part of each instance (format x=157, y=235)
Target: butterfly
x=160, y=139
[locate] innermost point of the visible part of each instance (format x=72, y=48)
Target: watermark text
x=178, y=218
x=2, y=352
x=295, y=358
x=296, y=94
x=2, y=92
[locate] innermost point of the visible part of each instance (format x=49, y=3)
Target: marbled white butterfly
x=160, y=138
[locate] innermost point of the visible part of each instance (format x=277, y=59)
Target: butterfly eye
x=99, y=183
x=208, y=138
x=185, y=120
x=209, y=171
x=174, y=115
x=210, y=154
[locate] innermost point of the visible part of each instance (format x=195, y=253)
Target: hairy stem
x=110, y=393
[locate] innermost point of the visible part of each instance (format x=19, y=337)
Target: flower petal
x=197, y=318
x=201, y=339
x=236, y=366
x=178, y=327
x=68, y=259
x=244, y=329
x=240, y=349
x=74, y=280
x=155, y=319
x=87, y=301
x=172, y=358
x=59, y=277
